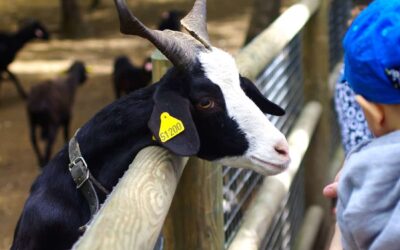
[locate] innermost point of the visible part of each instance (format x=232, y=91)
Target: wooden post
x=160, y=65
x=195, y=220
x=133, y=215
x=316, y=75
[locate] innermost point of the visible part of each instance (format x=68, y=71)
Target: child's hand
x=330, y=191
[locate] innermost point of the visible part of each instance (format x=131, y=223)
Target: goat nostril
x=282, y=149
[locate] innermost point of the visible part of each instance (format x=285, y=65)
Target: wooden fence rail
x=265, y=47
x=133, y=216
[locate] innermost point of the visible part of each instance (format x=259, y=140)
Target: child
x=368, y=210
x=353, y=126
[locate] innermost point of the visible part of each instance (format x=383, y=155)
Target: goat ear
x=258, y=98
x=172, y=124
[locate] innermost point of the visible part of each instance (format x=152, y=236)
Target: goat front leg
x=17, y=84
x=35, y=145
x=50, y=141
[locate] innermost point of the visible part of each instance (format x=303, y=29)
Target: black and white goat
x=128, y=77
x=201, y=107
x=10, y=44
x=49, y=106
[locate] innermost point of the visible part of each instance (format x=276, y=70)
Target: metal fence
x=286, y=224
x=339, y=15
x=282, y=83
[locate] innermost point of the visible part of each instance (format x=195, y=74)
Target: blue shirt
x=368, y=210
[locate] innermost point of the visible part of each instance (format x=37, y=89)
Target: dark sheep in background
x=202, y=106
x=49, y=106
x=128, y=77
x=11, y=43
x=171, y=20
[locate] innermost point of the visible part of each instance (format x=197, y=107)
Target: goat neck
x=110, y=145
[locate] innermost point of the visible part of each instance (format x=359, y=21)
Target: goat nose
x=282, y=148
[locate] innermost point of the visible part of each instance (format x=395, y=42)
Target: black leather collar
x=81, y=175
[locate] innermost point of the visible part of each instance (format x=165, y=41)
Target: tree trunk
x=72, y=23
x=94, y=5
x=264, y=13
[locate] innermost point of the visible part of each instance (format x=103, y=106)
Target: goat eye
x=205, y=103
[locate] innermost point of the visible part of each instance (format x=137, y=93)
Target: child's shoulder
x=389, y=143
x=373, y=155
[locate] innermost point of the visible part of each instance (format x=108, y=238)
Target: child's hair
x=372, y=52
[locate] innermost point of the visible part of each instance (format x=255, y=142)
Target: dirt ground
x=42, y=60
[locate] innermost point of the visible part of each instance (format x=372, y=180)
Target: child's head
x=372, y=64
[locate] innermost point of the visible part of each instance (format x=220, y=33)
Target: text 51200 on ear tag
x=169, y=127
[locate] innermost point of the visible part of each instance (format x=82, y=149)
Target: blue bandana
x=372, y=52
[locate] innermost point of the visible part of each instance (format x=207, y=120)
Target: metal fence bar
x=339, y=14
x=281, y=82
x=263, y=208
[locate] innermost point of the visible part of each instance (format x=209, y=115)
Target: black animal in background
x=128, y=77
x=202, y=106
x=11, y=43
x=170, y=20
x=49, y=106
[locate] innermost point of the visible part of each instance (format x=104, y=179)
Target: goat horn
x=196, y=22
x=180, y=48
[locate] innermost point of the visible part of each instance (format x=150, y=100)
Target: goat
x=49, y=106
x=128, y=77
x=10, y=44
x=201, y=106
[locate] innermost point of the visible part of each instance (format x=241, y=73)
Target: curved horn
x=180, y=48
x=196, y=22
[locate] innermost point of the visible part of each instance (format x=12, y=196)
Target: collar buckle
x=79, y=171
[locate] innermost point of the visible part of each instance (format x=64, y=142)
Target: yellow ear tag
x=170, y=127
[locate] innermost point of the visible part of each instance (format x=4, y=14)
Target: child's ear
x=374, y=113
